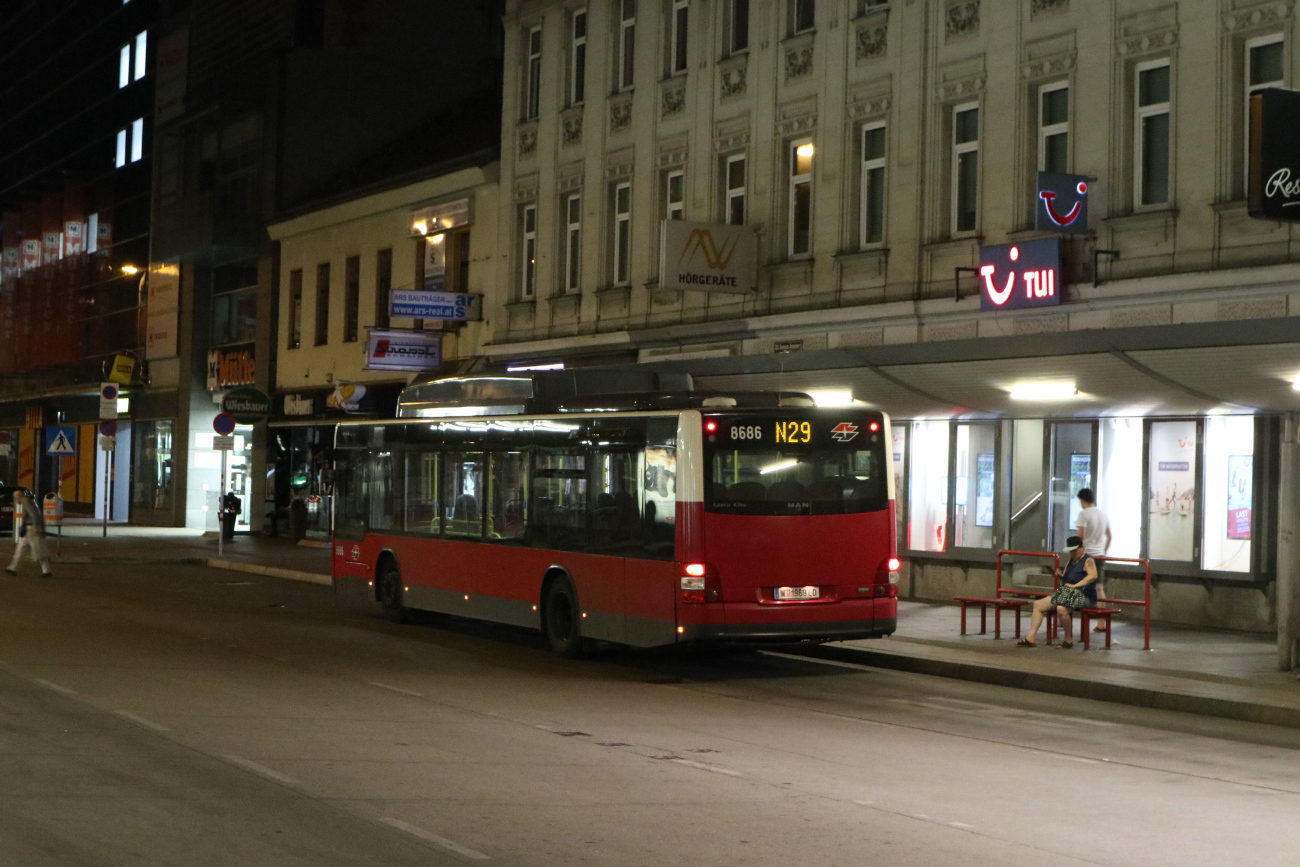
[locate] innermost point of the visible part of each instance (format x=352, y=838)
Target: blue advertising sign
x=455, y=306
x=1062, y=204
x=60, y=440
x=1028, y=274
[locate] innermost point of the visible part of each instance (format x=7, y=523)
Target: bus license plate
x=789, y=594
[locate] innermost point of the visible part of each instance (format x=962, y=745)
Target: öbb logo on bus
x=844, y=431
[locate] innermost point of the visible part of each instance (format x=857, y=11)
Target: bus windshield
x=767, y=469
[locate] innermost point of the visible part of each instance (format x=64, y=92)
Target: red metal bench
x=998, y=604
x=1088, y=614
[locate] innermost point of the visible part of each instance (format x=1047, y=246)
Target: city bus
x=650, y=520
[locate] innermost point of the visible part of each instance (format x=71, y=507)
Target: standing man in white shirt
x=1094, y=527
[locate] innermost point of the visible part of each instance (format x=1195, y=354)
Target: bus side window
x=559, y=515
x=462, y=494
x=507, y=516
x=659, y=489
x=422, y=513
x=383, y=504
x=351, y=493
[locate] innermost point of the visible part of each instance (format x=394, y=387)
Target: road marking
x=701, y=766
x=440, y=842
x=263, y=770
x=54, y=686
x=1079, y=759
x=139, y=720
x=865, y=803
x=961, y=825
x=396, y=689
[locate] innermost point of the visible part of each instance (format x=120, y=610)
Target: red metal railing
x=1145, y=602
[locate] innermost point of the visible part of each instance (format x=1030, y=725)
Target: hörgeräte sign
x=706, y=257
x=1273, y=189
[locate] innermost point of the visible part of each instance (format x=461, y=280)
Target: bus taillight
x=699, y=583
x=894, y=565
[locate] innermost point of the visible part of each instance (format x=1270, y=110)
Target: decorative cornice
x=569, y=178
x=672, y=157
x=1265, y=15
x=872, y=107
x=735, y=141
x=526, y=188
x=1045, y=67
x=1158, y=40
x=970, y=85
x=1036, y=7
x=794, y=125
x=618, y=166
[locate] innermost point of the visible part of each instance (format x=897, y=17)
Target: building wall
x=363, y=227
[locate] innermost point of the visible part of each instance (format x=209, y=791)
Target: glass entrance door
x=1072, y=467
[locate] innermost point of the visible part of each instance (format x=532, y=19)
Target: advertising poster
x=1171, y=497
x=1080, y=478
x=984, y=490
x=1240, y=478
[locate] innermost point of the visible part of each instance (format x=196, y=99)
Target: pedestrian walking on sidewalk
x=31, y=534
x=1094, y=527
x=1078, y=589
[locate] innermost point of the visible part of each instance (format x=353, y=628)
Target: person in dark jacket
x=31, y=534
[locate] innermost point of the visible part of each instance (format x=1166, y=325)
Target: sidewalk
x=1208, y=672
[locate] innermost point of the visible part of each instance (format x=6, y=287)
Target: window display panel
x=976, y=463
x=1227, y=510
x=927, y=525
x=1119, y=487
x=1071, y=473
x=898, y=441
x=1171, y=491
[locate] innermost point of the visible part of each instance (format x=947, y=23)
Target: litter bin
x=297, y=521
x=231, y=506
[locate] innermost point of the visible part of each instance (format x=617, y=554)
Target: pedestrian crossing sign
x=61, y=441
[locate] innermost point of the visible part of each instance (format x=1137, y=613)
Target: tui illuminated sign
x=1062, y=204
x=1028, y=274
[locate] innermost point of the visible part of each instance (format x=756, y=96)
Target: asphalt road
x=188, y=716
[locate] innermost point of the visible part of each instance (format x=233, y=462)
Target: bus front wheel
x=390, y=592
x=562, y=620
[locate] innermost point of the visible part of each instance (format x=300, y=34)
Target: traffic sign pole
x=221, y=519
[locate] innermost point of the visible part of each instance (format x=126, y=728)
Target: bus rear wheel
x=390, y=592
x=562, y=620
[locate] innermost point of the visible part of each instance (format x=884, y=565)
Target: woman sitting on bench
x=1078, y=589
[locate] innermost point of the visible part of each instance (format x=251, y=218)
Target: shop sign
x=73, y=238
x=230, y=367
x=297, y=405
x=706, y=257
x=346, y=397
x=1014, y=276
x=1062, y=204
x=1241, y=475
x=31, y=254
x=172, y=67
x=246, y=405
x=454, y=306
x=123, y=370
x=1273, y=188
x=163, y=290
x=440, y=218
x=404, y=350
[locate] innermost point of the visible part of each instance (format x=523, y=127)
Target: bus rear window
x=769, y=481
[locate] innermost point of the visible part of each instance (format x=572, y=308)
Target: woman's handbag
x=1070, y=597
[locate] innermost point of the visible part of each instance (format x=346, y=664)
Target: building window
x=533, y=77
x=295, y=309
x=675, y=195
x=801, y=15
x=578, y=59
x=137, y=139
x=528, y=275
x=626, y=44
x=351, y=298
x=681, y=8
x=800, y=218
x=573, y=243
x=1054, y=127
x=1264, y=68
x=622, y=232
x=965, y=167
x=927, y=511
x=738, y=26
x=383, y=286
x=1151, y=126
x=119, y=159
x=141, y=46
x=873, y=184
x=735, y=190
x=322, y=303
x=124, y=66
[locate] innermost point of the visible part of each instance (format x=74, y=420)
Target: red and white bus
x=713, y=520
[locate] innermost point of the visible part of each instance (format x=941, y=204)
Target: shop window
x=1119, y=483
x=507, y=517
x=975, y=461
x=463, y=494
x=1228, y=506
x=151, y=477
x=927, y=528
x=422, y=512
x=1171, y=491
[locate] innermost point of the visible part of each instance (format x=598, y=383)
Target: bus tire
x=561, y=620
x=388, y=589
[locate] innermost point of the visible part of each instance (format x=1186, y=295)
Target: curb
x=1226, y=708
x=269, y=571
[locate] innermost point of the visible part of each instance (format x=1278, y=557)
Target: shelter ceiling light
x=1044, y=391
x=829, y=397
x=1295, y=383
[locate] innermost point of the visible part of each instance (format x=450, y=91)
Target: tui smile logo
x=1049, y=199
x=1062, y=206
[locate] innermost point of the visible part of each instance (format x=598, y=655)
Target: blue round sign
x=224, y=424
x=108, y=428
